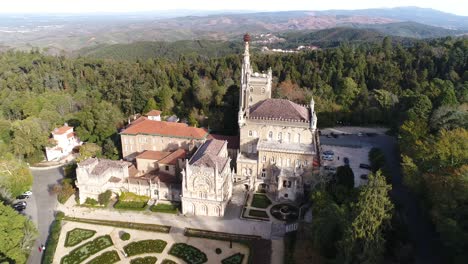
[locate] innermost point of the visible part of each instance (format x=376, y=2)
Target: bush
x=59, y=215
x=84, y=251
x=65, y=191
x=125, y=236
x=234, y=259
x=131, y=205
x=52, y=240
x=165, y=208
x=107, y=257
x=168, y=261
x=345, y=176
x=145, y=260
x=91, y=201
x=104, y=197
x=218, y=251
x=260, y=201
x=145, y=246
x=77, y=235
x=188, y=253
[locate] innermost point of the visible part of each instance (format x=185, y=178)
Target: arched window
x=270, y=135
x=280, y=135
x=250, y=133
x=250, y=98
x=264, y=159
x=272, y=160
x=298, y=138
x=289, y=137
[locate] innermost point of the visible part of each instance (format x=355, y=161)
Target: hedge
x=77, y=235
x=165, y=208
x=188, y=253
x=104, y=197
x=129, y=225
x=234, y=259
x=145, y=246
x=168, y=261
x=145, y=260
x=52, y=239
x=107, y=257
x=131, y=205
x=86, y=250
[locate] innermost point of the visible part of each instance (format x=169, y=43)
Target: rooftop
x=153, y=113
x=153, y=155
x=104, y=164
x=62, y=130
x=151, y=127
x=208, y=155
x=288, y=147
x=279, y=109
x=173, y=157
x=233, y=141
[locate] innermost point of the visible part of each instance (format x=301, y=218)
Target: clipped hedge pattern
x=77, y=235
x=84, y=251
x=108, y=257
x=188, y=253
x=168, y=261
x=145, y=246
x=234, y=259
x=145, y=260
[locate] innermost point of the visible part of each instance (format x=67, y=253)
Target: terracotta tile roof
x=233, y=141
x=153, y=155
x=153, y=113
x=61, y=130
x=70, y=135
x=161, y=176
x=169, y=129
x=279, y=109
x=173, y=157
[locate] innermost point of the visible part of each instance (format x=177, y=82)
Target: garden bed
x=168, y=261
x=108, y=257
x=78, y=235
x=131, y=201
x=145, y=260
x=188, y=253
x=129, y=225
x=145, y=246
x=234, y=259
x=165, y=208
x=260, y=201
x=258, y=213
x=84, y=251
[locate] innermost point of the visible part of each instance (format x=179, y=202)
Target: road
x=41, y=206
x=420, y=228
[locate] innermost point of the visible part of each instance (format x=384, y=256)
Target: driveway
x=41, y=206
x=420, y=228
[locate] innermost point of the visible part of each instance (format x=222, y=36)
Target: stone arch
x=203, y=209
x=216, y=210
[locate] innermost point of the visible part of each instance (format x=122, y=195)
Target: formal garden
x=106, y=242
x=256, y=207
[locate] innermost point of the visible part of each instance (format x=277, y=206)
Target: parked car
x=22, y=197
x=328, y=152
x=329, y=168
x=23, y=203
x=327, y=157
x=364, y=177
x=346, y=160
x=28, y=193
x=365, y=166
x=19, y=207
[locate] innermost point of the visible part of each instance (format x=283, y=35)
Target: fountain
x=285, y=212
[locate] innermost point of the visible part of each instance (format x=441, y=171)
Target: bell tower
x=244, y=94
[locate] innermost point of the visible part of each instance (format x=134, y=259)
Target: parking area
x=355, y=155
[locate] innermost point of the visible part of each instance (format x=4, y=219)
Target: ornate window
x=272, y=160
x=280, y=135
x=298, y=138
x=263, y=173
x=270, y=135
x=298, y=163
x=264, y=159
x=250, y=133
x=250, y=172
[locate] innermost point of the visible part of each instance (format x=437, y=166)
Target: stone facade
x=277, y=138
x=207, y=180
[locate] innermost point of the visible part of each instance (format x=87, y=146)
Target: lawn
x=188, y=253
x=145, y=246
x=260, y=201
x=165, y=208
x=77, y=235
x=258, y=213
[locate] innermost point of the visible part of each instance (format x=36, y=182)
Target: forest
x=420, y=91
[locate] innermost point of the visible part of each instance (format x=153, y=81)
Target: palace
x=274, y=153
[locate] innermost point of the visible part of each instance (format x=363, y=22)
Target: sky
x=459, y=7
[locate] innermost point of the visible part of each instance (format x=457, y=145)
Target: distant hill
x=70, y=33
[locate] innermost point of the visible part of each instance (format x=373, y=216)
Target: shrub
x=77, y=235
x=145, y=260
x=260, y=201
x=165, y=208
x=52, y=240
x=168, y=261
x=130, y=205
x=59, y=215
x=377, y=159
x=64, y=192
x=218, y=251
x=104, y=197
x=84, y=251
x=234, y=259
x=91, y=201
x=107, y=257
x=125, y=236
x=145, y=246
x=188, y=253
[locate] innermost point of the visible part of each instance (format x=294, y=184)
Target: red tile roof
x=153, y=155
x=173, y=157
x=169, y=129
x=61, y=130
x=281, y=109
x=153, y=113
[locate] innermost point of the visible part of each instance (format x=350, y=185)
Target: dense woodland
x=420, y=91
